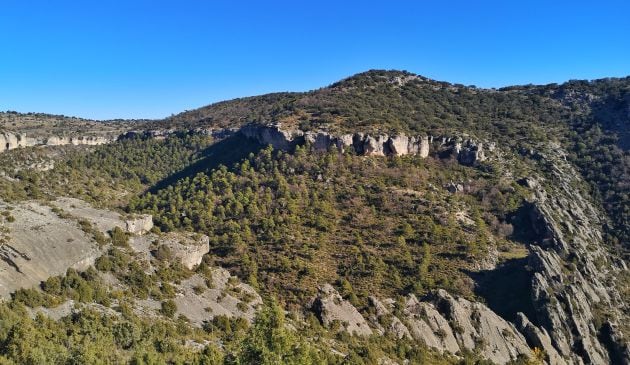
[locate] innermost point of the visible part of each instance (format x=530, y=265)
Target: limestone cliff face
x=10, y=141
x=467, y=151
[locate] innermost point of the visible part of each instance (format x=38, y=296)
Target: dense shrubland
x=289, y=222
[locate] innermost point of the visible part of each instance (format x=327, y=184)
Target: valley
x=385, y=219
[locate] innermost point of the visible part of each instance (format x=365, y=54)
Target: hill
x=395, y=218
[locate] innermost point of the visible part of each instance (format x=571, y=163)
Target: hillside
x=590, y=118
x=393, y=217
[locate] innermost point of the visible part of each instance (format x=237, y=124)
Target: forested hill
x=590, y=118
x=386, y=101
x=402, y=101
x=393, y=218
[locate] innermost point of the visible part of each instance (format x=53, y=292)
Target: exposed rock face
x=384, y=314
x=376, y=145
x=189, y=251
x=429, y=326
x=468, y=152
x=471, y=153
x=329, y=306
x=40, y=245
x=423, y=149
x=140, y=224
x=454, y=187
x=567, y=296
x=441, y=321
x=61, y=141
x=451, y=325
x=538, y=337
x=272, y=135
x=9, y=141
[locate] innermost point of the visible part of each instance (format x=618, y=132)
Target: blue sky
x=150, y=59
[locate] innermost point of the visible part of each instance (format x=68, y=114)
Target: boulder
x=454, y=188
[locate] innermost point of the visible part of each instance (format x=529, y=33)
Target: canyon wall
x=10, y=141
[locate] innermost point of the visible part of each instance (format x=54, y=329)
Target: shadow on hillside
x=507, y=289
x=524, y=229
x=225, y=152
x=612, y=114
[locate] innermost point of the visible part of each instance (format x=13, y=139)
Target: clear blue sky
x=149, y=59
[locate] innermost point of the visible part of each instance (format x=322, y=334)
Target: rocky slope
x=574, y=289
x=40, y=241
x=40, y=244
x=440, y=321
x=578, y=306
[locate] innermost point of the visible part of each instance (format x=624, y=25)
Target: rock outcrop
x=573, y=285
x=538, y=337
x=228, y=296
x=140, y=224
x=41, y=244
x=451, y=324
x=467, y=151
x=10, y=141
x=440, y=321
x=385, y=321
x=272, y=135
x=189, y=250
x=330, y=307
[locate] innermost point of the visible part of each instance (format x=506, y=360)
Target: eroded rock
x=188, y=249
x=329, y=307
x=139, y=224
x=566, y=295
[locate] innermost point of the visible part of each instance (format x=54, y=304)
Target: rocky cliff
x=574, y=286
x=466, y=150
x=439, y=321
x=10, y=140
